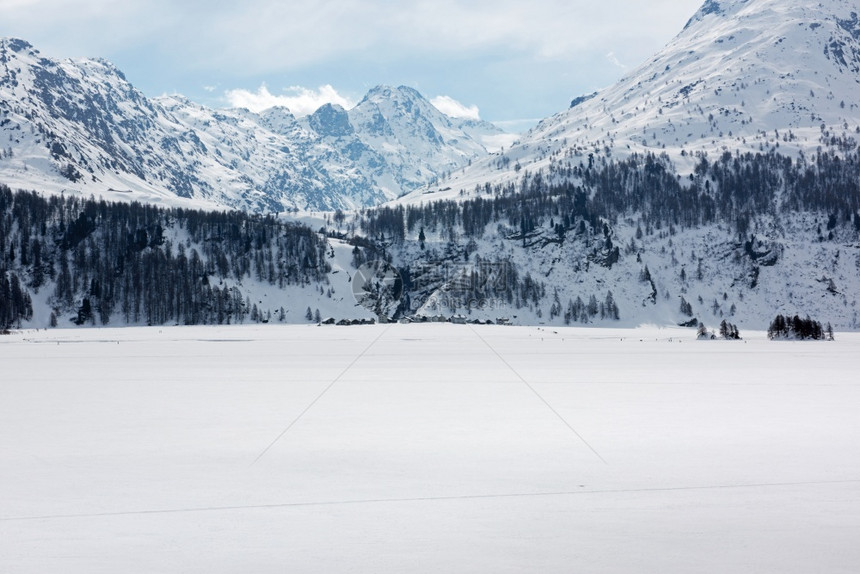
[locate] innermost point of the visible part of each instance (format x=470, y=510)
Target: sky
x=506, y=61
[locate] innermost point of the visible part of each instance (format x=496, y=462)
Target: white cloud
x=454, y=109
x=300, y=101
x=262, y=37
x=615, y=61
x=517, y=126
x=16, y=4
x=498, y=142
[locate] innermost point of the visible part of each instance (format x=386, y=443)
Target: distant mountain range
x=79, y=125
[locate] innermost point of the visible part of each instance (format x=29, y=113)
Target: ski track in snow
x=316, y=400
x=466, y=497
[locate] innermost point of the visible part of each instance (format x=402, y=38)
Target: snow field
x=426, y=448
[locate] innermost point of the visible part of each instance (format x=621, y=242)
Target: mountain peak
x=17, y=45
x=727, y=9
x=331, y=120
x=384, y=92
x=410, y=92
x=714, y=8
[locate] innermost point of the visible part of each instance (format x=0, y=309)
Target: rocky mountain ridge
x=80, y=126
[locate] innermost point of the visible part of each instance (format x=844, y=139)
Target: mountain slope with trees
x=719, y=179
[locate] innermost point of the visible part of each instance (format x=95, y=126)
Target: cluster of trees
x=795, y=328
x=15, y=302
x=144, y=264
x=582, y=312
x=686, y=307
x=459, y=286
x=729, y=331
x=313, y=315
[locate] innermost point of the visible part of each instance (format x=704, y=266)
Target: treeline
x=143, y=264
x=795, y=328
x=735, y=188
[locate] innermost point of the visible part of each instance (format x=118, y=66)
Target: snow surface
x=426, y=448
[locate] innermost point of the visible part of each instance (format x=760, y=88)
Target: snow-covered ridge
x=744, y=75
x=80, y=126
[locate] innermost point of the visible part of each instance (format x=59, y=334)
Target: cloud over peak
x=454, y=109
x=299, y=100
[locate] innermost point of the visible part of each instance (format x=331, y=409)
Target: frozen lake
x=426, y=448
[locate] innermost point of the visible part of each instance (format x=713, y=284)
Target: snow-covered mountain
x=79, y=125
x=718, y=181
x=743, y=75
x=401, y=140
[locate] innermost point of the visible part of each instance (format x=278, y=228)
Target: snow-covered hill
x=743, y=76
x=79, y=125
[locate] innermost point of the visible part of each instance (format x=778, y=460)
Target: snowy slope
x=79, y=125
x=743, y=75
x=59, y=129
